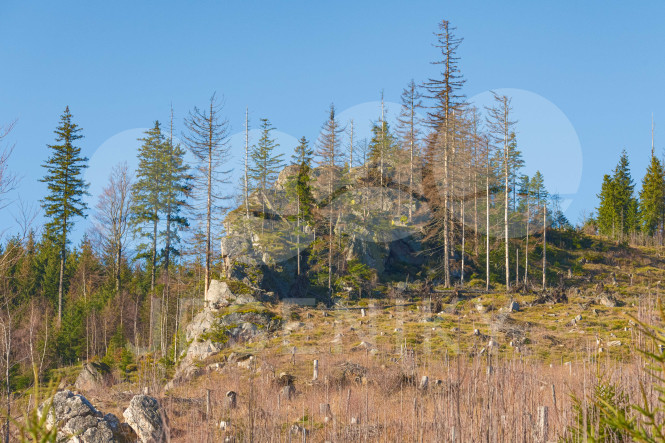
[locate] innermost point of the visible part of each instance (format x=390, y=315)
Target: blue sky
x=587, y=75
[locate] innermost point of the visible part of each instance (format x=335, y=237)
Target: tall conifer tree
x=266, y=165
x=66, y=189
x=148, y=195
x=652, y=197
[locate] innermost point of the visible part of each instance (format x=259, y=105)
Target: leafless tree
x=207, y=137
x=501, y=127
x=446, y=98
x=112, y=216
x=8, y=180
x=409, y=131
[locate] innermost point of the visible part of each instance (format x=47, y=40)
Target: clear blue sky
x=595, y=67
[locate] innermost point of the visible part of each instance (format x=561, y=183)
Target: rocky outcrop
x=227, y=318
x=260, y=249
x=607, y=300
x=147, y=419
x=93, y=376
x=78, y=421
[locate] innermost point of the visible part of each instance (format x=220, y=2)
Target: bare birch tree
x=113, y=215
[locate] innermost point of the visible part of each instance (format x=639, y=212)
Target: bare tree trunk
x=446, y=215
x=351, y=146
x=63, y=253
x=383, y=148
x=475, y=212
x=505, y=209
x=412, y=137
x=487, y=224
x=463, y=244
x=526, y=249
x=544, y=241
x=330, y=229
x=209, y=207
x=118, y=258
x=246, y=162
x=7, y=333
x=517, y=267
x=154, y=256
x=298, y=233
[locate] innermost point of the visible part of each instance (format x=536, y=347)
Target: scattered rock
x=294, y=325
x=513, y=307
x=607, y=300
x=614, y=343
x=147, y=419
x=79, y=422
x=93, y=376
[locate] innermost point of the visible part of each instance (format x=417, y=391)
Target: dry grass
x=485, y=393
x=487, y=398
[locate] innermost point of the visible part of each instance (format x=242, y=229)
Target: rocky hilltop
x=261, y=249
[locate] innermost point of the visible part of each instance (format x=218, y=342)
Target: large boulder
x=147, y=419
x=93, y=376
x=607, y=300
x=226, y=318
x=220, y=295
x=78, y=421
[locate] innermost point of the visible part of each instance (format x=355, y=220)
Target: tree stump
x=288, y=392
x=231, y=400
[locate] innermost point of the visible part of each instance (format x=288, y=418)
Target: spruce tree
x=652, y=197
x=383, y=143
x=626, y=204
x=329, y=157
x=298, y=188
x=607, y=207
x=176, y=188
x=266, y=165
x=148, y=196
x=66, y=189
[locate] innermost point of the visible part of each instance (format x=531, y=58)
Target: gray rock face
x=147, y=419
x=607, y=300
x=78, y=421
x=217, y=325
x=219, y=295
x=92, y=376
